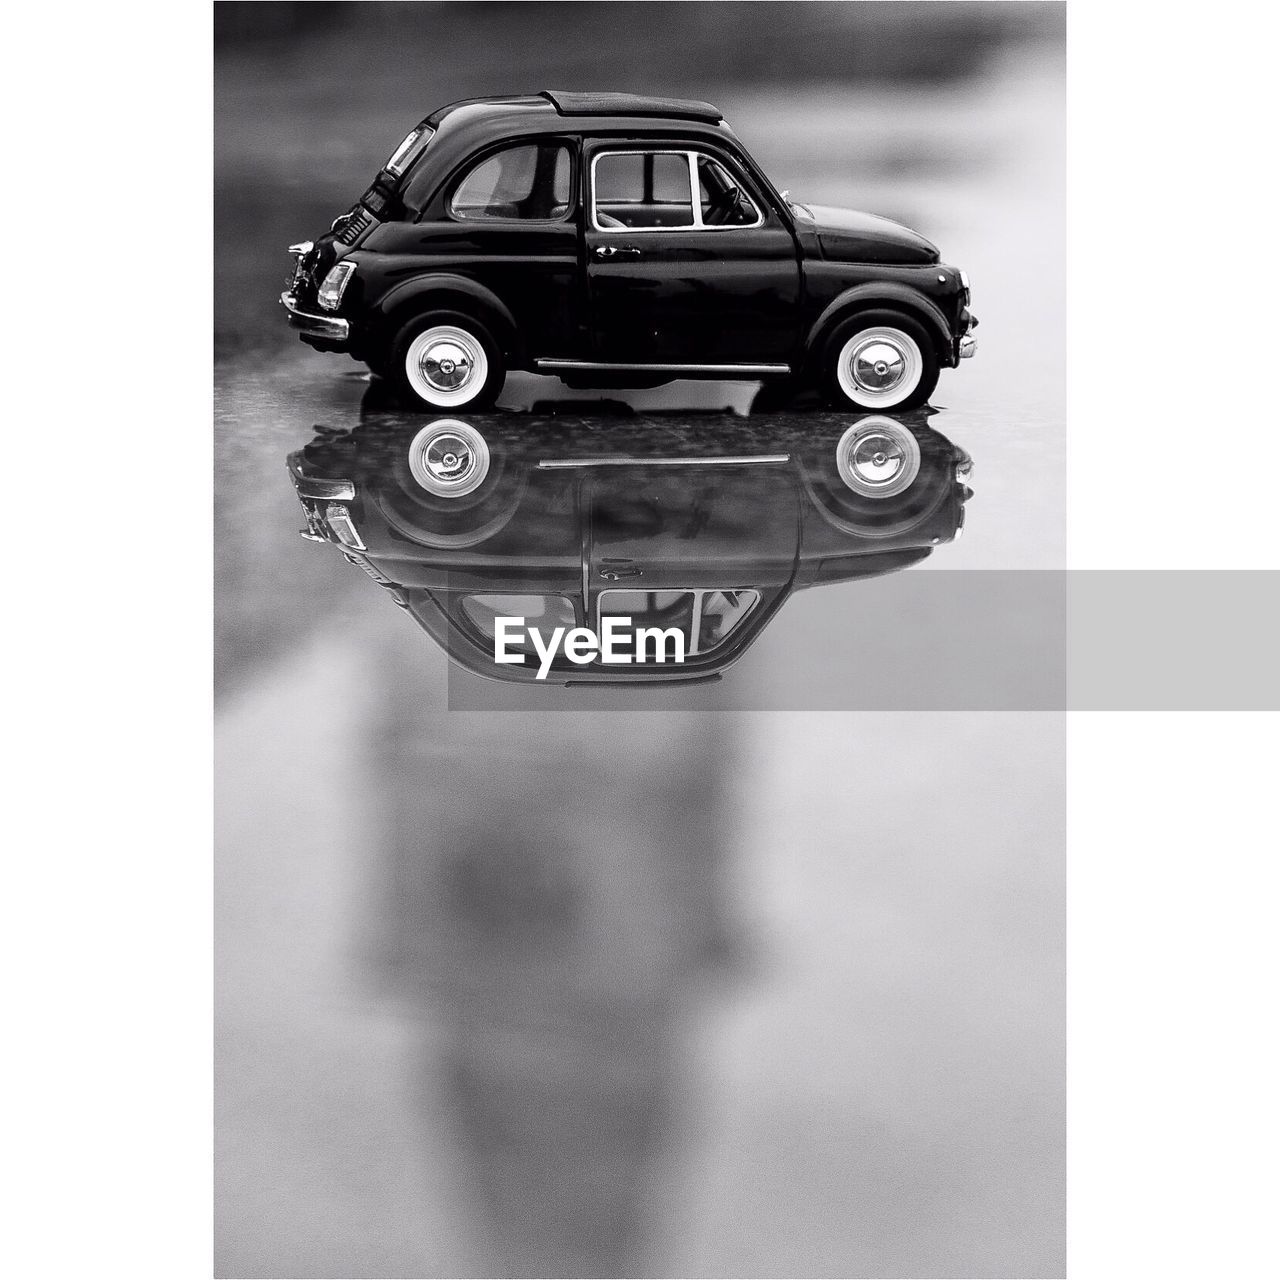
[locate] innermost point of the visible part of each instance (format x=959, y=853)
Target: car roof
x=566, y=103
x=629, y=104
x=464, y=126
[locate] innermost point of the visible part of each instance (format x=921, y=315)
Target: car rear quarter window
x=530, y=181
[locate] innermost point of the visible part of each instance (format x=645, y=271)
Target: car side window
x=642, y=190
x=651, y=191
x=531, y=181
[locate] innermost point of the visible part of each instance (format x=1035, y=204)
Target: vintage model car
x=570, y=522
x=618, y=240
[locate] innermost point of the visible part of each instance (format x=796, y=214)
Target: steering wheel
x=726, y=209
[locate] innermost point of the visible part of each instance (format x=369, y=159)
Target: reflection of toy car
x=562, y=523
x=618, y=240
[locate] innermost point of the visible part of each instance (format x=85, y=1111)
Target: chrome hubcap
x=878, y=365
x=878, y=458
x=449, y=458
x=446, y=365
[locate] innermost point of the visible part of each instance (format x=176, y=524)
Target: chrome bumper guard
x=968, y=346
x=318, y=326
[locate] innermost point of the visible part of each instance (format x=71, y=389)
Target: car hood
x=846, y=235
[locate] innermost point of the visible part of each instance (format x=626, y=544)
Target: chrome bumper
x=968, y=346
x=329, y=327
x=317, y=488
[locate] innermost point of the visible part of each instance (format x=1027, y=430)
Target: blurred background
x=634, y=993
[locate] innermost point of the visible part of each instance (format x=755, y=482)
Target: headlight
x=335, y=284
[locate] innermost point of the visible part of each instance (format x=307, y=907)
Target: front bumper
x=310, y=325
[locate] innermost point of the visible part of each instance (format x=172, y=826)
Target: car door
x=511, y=222
x=705, y=548
x=678, y=280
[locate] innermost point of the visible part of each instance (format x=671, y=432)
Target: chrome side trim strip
x=603, y=367
x=559, y=464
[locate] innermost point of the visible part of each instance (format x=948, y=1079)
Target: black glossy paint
x=628, y=518
x=725, y=296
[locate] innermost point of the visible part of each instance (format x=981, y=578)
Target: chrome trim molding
x=558, y=464
x=322, y=326
x=728, y=370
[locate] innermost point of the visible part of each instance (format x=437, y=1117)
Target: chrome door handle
x=617, y=251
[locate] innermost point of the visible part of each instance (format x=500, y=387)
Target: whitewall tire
x=447, y=361
x=881, y=361
x=878, y=458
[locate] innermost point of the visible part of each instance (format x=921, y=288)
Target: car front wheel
x=881, y=361
x=447, y=361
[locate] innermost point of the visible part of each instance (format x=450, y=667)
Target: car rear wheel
x=448, y=361
x=452, y=487
x=881, y=361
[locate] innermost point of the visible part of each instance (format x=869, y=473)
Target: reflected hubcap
x=877, y=459
x=878, y=365
x=449, y=458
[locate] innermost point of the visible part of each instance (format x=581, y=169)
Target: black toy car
x=618, y=240
x=586, y=524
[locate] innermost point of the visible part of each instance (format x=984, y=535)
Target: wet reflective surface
x=697, y=524
x=679, y=989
